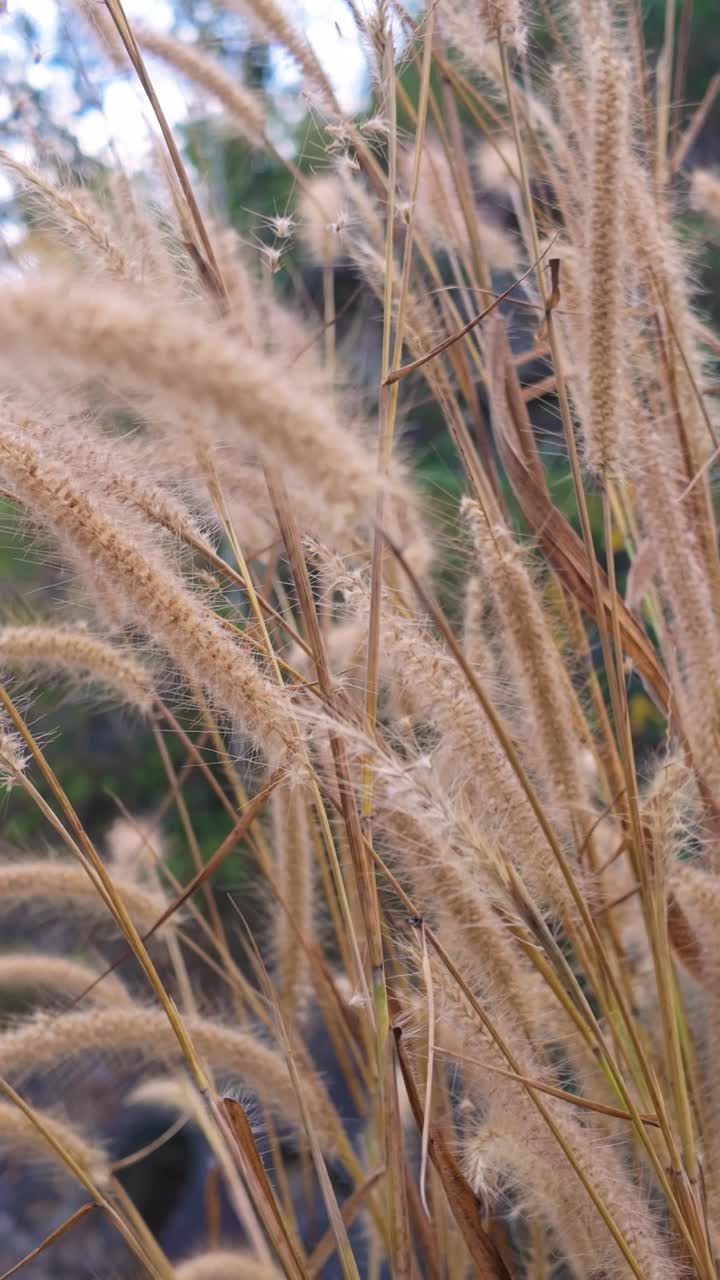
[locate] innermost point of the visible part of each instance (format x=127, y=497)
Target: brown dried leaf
x=261, y=1191
x=684, y=942
x=565, y=551
x=464, y=1205
x=642, y=572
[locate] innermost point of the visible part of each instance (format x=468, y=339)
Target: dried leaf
x=684, y=943
x=562, y=546
x=464, y=1205
x=262, y=1192
x=642, y=572
x=70, y=1222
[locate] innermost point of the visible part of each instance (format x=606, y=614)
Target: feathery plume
x=65, y=887
x=496, y=163
x=657, y=468
x=669, y=808
x=473, y=34
x=515, y=1145
x=605, y=260
x=99, y=20
x=705, y=192
x=184, y=360
x=157, y=597
x=551, y=714
x=76, y=653
x=77, y=215
x=222, y=1264
x=243, y=106
x=501, y=19
x=145, y=1035
x=14, y=757
x=477, y=639
x=697, y=892
x=25, y=1140
x=56, y=974
x=323, y=218
x=468, y=756
x=663, y=268
x=269, y=20
x=439, y=212
x=172, y=1092
x=84, y=448
x=134, y=848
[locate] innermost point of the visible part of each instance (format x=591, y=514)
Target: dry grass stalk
x=27, y=1142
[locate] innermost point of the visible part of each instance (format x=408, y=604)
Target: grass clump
x=498, y=908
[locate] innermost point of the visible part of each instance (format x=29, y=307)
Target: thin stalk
x=615, y=694
x=362, y=868
x=328, y=278
x=656, y=925
x=583, y=910
x=388, y=413
x=156, y=1266
x=448, y=964
x=119, y=17
x=664, y=93
x=89, y=858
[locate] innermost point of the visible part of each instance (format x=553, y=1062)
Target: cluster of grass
x=420, y=732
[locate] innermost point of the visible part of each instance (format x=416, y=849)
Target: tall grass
x=502, y=908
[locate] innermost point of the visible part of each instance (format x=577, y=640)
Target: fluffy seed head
x=323, y=218
x=270, y=20
x=75, y=652
x=23, y=1139
x=501, y=19
x=37, y=971
x=439, y=212
x=221, y=1264
x=14, y=757
x=294, y=875
x=134, y=847
x=243, y=107
x=705, y=192
x=605, y=249
x=75, y=215
x=145, y=1035
x=550, y=715
x=65, y=889
x=146, y=355
x=155, y=595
